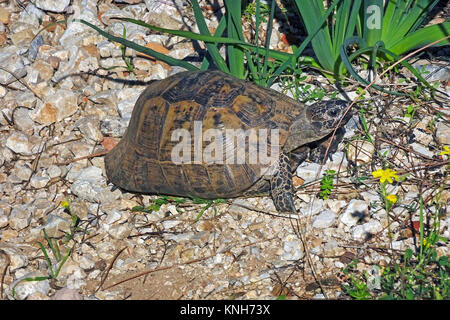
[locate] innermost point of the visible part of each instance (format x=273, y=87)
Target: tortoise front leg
x=281, y=188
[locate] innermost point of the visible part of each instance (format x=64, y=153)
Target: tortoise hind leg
x=281, y=188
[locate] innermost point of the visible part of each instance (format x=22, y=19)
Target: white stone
x=54, y=171
x=113, y=216
x=86, y=262
x=312, y=207
x=53, y=5
x=55, y=226
x=76, y=32
x=18, y=260
x=308, y=171
x=397, y=245
x=335, y=205
x=23, y=172
x=23, y=289
x=169, y=224
x=120, y=231
x=22, y=117
x=358, y=232
x=56, y=106
x=39, y=182
x=127, y=99
x=3, y=218
x=292, y=250
x=419, y=148
x=422, y=137
x=67, y=294
x=355, y=211
x=90, y=185
x=19, y=143
x=20, y=218
x=364, y=231
x=92, y=174
x=89, y=127
x=105, y=48
x=443, y=133
x=114, y=127
x=12, y=62
x=360, y=151
x=337, y=163
x=373, y=226
x=324, y=220
x=370, y=196
x=172, y=209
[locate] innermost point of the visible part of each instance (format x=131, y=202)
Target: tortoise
x=194, y=103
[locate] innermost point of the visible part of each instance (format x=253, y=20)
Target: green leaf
x=159, y=56
x=408, y=254
x=315, y=30
x=422, y=37
x=203, y=28
x=47, y=259
x=373, y=18
x=443, y=261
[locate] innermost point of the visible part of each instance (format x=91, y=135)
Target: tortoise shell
x=197, y=101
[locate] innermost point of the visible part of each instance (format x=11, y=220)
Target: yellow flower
x=392, y=198
x=385, y=174
x=65, y=204
x=426, y=243
x=446, y=151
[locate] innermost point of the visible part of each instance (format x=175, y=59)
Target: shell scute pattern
x=141, y=162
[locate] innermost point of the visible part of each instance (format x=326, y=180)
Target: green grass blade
x=234, y=29
x=50, y=244
x=423, y=4
x=49, y=262
x=278, y=55
x=321, y=43
x=298, y=52
x=62, y=262
x=135, y=46
x=217, y=34
x=347, y=62
x=421, y=226
x=268, y=36
x=422, y=37
x=346, y=18
x=212, y=48
x=257, y=24
x=373, y=18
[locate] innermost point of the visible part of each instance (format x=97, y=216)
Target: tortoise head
x=316, y=122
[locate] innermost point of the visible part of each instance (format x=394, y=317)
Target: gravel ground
x=59, y=102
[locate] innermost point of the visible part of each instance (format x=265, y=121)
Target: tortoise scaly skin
x=142, y=161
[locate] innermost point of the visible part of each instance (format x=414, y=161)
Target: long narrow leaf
x=47, y=258
x=278, y=55
x=423, y=37
x=268, y=36
x=234, y=28
x=212, y=48
x=302, y=47
x=321, y=43
x=145, y=50
x=373, y=18
x=429, y=6
x=347, y=62
x=217, y=34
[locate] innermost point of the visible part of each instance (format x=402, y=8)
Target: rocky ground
x=59, y=101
